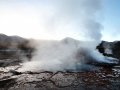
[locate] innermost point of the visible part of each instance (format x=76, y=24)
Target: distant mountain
x=4, y=38
x=14, y=46
x=16, y=39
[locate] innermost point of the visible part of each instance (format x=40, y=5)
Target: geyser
x=67, y=54
x=67, y=18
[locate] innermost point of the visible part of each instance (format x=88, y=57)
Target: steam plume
x=67, y=54
x=67, y=18
x=78, y=18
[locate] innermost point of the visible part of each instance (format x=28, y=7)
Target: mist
x=66, y=54
x=52, y=19
x=78, y=19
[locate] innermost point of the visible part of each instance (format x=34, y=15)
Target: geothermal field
x=67, y=64
x=59, y=45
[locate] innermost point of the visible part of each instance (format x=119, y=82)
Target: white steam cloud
x=72, y=18
x=67, y=18
x=67, y=54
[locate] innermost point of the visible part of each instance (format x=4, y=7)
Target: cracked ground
x=102, y=79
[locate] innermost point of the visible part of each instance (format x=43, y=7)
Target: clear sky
x=29, y=18
x=111, y=20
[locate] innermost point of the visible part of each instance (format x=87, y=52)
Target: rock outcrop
x=111, y=49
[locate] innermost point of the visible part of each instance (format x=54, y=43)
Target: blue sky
x=111, y=20
x=18, y=17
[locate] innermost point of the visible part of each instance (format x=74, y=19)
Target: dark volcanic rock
x=111, y=49
x=5, y=84
x=15, y=72
x=9, y=62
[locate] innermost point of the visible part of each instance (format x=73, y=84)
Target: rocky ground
x=101, y=77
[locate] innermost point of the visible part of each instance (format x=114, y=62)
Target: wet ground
x=104, y=78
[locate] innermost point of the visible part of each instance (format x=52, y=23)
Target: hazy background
x=56, y=19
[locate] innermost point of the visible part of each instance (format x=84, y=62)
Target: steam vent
x=87, y=74
x=59, y=44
